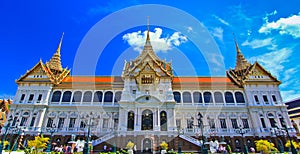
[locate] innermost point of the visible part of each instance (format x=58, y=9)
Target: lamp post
x=51, y=130
x=5, y=133
x=179, y=132
x=293, y=150
x=201, y=126
x=278, y=132
x=241, y=130
x=19, y=131
x=89, y=122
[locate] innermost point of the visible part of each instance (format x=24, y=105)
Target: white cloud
x=221, y=20
x=218, y=33
x=256, y=43
x=288, y=95
x=289, y=26
x=274, y=61
x=288, y=77
x=189, y=29
x=159, y=43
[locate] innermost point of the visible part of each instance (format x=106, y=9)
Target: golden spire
x=55, y=61
x=148, y=30
x=241, y=62
x=59, y=45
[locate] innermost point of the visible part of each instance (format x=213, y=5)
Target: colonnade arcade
x=147, y=120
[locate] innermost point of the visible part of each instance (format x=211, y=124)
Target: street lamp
x=89, y=122
x=278, y=132
x=200, y=125
x=5, y=133
x=51, y=130
x=241, y=130
x=293, y=150
x=20, y=132
x=179, y=132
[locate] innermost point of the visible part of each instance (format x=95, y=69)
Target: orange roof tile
x=201, y=79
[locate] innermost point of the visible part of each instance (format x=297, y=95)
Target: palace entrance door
x=147, y=146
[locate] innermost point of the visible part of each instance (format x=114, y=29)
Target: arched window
x=87, y=96
x=229, y=97
x=77, y=96
x=239, y=97
x=56, y=96
x=177, y=97
x=147, y=120
x=218, y=97
x=163, y=121
x=197, y=97
x=98, y=96
x=187, y=98
x=108, y=96
x=67, y=96
x=130, y=121
x=207, y=97
x=118, y=96
x=272, y=120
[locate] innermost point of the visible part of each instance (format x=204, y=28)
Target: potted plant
x=265, y=146
x=164, y=147
x=295, y=144
x=129, y=147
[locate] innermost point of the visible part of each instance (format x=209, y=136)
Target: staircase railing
x=191, y=139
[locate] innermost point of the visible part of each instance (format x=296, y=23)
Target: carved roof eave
x=241, y=82
x=29, y=71
x=144, y=53
x=139, y=61
x=143, y=67
x=57, y=79
x=131, y=70
x=233, y=77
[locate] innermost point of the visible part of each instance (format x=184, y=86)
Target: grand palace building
x=148, y=104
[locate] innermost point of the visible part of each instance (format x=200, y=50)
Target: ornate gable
x=52, y=71
x=244, y=72
x=258, y=73
x=147, y=57
x=37, y=73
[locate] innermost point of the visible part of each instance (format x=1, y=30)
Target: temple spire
x=59, y=45
x=148, y=30
x=241, y=62
x=55, y=61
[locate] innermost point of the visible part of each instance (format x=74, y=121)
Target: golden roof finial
x=55, y=61
x=148, y=29
x=241, y=62
x=59, y=45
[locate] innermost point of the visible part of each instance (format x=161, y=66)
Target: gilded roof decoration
x=51, y=71
x=147, y=57
x=244, y=71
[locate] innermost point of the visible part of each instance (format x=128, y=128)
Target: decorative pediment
x=245, y=73
x=51, y=115
x=258, y=73
x=52, y=71
x=73, y=115
x=147, y=57
x=36, y=73
x=62, y=115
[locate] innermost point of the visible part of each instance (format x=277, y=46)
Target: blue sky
x=267, y=32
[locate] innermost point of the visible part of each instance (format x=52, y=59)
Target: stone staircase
x=191, y=139
x=103, y=139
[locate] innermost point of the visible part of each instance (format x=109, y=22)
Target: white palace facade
x=148, y=104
